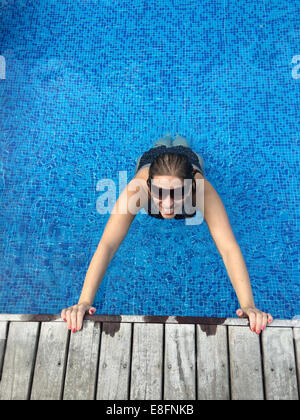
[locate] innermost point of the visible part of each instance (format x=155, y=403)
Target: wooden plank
x=80, y=379
x=157, y=319
x=245, y=364
x=3, y=332
x=18, y=360
x=279, y=364
x=147, y=359
x=296, y=334
x=3, y=329
x=212, y=363
x=180, y=362
x=114, y=365
x=50, y=362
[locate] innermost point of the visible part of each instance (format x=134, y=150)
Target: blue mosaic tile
x=89, y=86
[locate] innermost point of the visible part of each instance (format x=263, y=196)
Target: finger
x=270, y=318
x=258, y=322
x=252, y=320
x=264, y=321
x=239, y=312
x=68, y=316
x=63, y=315
x=74, y=320
x=92, y=311
x=80, y=316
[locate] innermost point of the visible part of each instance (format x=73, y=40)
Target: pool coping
x=160, y=319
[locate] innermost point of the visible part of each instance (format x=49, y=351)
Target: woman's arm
x=239, y=277
x=115, y=231
x=219, y=226
x=95, y=273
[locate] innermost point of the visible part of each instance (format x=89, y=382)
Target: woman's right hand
x=74, y=315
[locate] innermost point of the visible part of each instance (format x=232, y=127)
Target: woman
x=161, y=173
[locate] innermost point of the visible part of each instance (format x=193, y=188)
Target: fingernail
x=253, y=329
x=74, y=330
x=65, y=320
x=258, y=331
x=263, y=327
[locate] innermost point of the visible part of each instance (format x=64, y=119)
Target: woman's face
x=168, y=206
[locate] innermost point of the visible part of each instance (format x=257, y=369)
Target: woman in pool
x=161, y=174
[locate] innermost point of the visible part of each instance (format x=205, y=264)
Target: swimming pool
x=86, y=88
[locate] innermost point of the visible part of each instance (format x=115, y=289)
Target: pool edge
x=160, y=319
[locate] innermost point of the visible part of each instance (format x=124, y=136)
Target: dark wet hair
x=172, y=164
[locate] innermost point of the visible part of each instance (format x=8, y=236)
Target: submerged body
x=160, y=190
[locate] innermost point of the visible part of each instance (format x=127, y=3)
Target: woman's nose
x=167, y=201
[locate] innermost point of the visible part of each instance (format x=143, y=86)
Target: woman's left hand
x=258, y=319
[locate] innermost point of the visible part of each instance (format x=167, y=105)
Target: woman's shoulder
x=198, y=175
x=143, y=173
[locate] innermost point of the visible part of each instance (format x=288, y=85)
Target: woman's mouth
x=168, y=211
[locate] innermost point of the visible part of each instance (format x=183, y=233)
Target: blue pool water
x=86, y=87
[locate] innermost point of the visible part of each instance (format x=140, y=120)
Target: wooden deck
x=147, y=358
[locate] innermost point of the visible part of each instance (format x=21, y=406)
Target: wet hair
x=172, y=164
